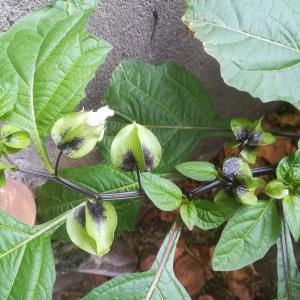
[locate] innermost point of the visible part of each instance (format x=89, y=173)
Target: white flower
x=97, y=118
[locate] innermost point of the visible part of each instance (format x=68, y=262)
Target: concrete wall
x=128, y=26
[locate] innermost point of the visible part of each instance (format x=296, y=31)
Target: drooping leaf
x=293, y=272
x=26, y=259
x=137, y=285
x=198, y=170
x=247, y=236
x=291, y=208
x=256, y=43
x=165, y=194
x=47, y=58
x=288, y=169
x=169, y=101
x=54, y=199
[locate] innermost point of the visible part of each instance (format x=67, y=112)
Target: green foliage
x=138, y=285
x=26, y=259
x=3, y=167
x=54, y=199
x=247, y=236
x=288, y=170
x=135, y=148
x=291, y=208
x=276, y=189
x=169, y=101
x=165, y=194
x=46, y=60
x=207, y=214
x=256, y=43
x=198, y=170
x=293, y=273
x=91, y=227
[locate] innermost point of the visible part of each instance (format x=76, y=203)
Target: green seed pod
x=76, y=134
x=135, y=147
x=13, y=139
x=92, y=227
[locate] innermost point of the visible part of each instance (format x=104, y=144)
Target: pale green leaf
x=47, y=58
x=276, y=189
x=291, y=208
x=165, y=194
x=198, y=170
x=256, y=43
x=26, y=259
x=168, y=100
x=247, y=236
x=137, y=285
x=288, y=169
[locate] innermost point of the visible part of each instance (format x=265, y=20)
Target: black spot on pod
x=72, y=145
x=149, y=159
x=96, y=210
x=66, y=131
x=128, y=163
x=80, y=216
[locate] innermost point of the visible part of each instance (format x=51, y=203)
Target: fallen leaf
x=147, y=263
x=240, y=291
x=206, y=297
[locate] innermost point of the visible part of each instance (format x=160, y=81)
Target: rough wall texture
x=129, y=25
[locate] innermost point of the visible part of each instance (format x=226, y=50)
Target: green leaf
x=54, y=199
x=249, y=155
x=210, y=214
x=165, y=194
x=247, y=236
x=137, y=285
x=253, y=58
x=198, y=170
x=291, y=208
x=293, y=273
x=188, y=214
x=47, y=58
x=168, y=100
x=276, y=189
x=288, y=169
x=26, y=259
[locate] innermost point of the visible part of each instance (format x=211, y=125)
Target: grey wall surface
x=128, y=25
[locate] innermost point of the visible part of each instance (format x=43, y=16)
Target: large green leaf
x=168, y=100
x=137, y=285
x=291, y=208
x=257, y=43
x=247, y=236
x=46, y=61
x=293, y=273
x=26, y=259
x=53, y=199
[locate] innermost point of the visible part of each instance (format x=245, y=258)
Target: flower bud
x=91, y=227
x=135, y=147
x=76, y=134
x=13, y=139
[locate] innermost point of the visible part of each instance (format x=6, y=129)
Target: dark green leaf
x=47, y=58
x=168, y=100
x=165, y=194
x=54, y=199
x=198, y=170
x=247, y=236
x=253, y=58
